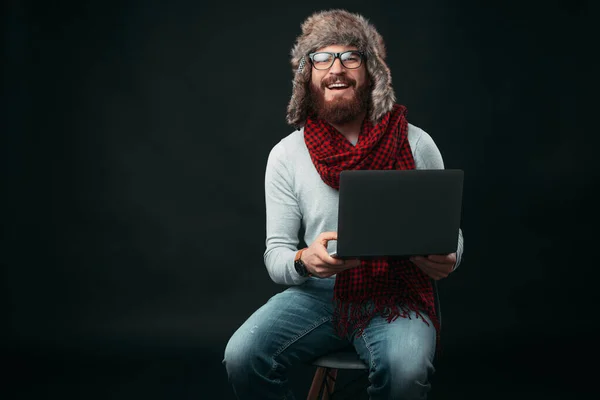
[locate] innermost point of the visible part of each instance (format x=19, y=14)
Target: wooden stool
x=323, y=384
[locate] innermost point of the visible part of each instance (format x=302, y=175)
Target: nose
x=337, y=67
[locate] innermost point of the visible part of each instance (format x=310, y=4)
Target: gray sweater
x=295, y=195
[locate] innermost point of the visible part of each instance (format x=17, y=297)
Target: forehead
x=336, y=48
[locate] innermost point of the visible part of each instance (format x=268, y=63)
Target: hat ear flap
x=297, y=110
x=382, y=93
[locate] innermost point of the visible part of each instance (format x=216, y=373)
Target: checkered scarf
x=391, y=288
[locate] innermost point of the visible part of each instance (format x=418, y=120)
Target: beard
x=338, y=110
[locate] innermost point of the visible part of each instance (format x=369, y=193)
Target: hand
x=318, y=261
x=436, y=266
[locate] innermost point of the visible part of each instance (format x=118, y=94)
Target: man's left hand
x=436, y=266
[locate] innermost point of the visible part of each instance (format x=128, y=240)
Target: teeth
x=337, y=85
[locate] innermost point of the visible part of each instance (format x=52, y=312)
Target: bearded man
x=343, y=106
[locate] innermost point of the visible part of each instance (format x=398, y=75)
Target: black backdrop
x=135, y=137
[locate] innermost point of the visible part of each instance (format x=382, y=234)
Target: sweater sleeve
x=427, y=156
x=283, y=220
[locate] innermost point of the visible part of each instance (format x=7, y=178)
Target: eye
x=352, y=57
x=321, y=57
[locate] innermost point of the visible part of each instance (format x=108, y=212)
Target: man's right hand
x=318, y=261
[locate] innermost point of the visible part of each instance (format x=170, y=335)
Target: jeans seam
x=372, y=360
x=295, y=339
x=301, y=334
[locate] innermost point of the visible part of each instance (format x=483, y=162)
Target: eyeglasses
x=325, y=59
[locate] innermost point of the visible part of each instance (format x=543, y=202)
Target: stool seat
x=343, y=359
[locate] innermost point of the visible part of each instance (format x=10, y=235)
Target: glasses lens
x=351, y=59
x=322, y=60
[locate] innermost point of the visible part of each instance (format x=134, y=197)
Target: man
x=345, y=105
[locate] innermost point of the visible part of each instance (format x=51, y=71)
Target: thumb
x=326, y=237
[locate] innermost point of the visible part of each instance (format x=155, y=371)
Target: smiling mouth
x=338, y=86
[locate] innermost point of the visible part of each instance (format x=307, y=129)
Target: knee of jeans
x=242, y=354
x=409, y=365
x=236, y=354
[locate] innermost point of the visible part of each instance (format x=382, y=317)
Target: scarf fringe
x=354, y=315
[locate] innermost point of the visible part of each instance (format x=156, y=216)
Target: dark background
x=135, y=137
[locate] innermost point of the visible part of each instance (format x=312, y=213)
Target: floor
x=509, y=372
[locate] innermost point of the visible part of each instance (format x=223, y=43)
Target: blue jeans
x=295, y=326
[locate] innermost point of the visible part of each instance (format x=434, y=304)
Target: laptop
x=398, y=213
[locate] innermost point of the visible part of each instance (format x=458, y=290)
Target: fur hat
x=339, y=27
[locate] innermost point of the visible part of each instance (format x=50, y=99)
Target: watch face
x=301, y=268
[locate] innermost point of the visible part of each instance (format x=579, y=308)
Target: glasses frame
x=335, y=56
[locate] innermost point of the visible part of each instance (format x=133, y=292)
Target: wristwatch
x=300, y=266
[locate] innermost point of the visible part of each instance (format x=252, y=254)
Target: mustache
x=338, y=79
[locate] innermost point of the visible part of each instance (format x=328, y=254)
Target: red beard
x=338, y=110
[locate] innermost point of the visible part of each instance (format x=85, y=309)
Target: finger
x=443, y=258
x=352, y=263
x=436, y=273
x=327, y=259
x=336, y=269
x=432, y=270
x=346, y=265
x=339, y=266
x=324, y=272
x=425, y=261
x=420, y=261
x=433, y=274
x=324, y=256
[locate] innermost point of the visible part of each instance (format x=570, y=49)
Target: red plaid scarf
x=389, y=288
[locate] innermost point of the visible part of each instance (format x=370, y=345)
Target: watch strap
x=299, y=254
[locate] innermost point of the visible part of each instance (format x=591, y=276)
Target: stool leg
x=331, y=378
x=323, y=384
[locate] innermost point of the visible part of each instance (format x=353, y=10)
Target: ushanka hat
x=340, y=27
